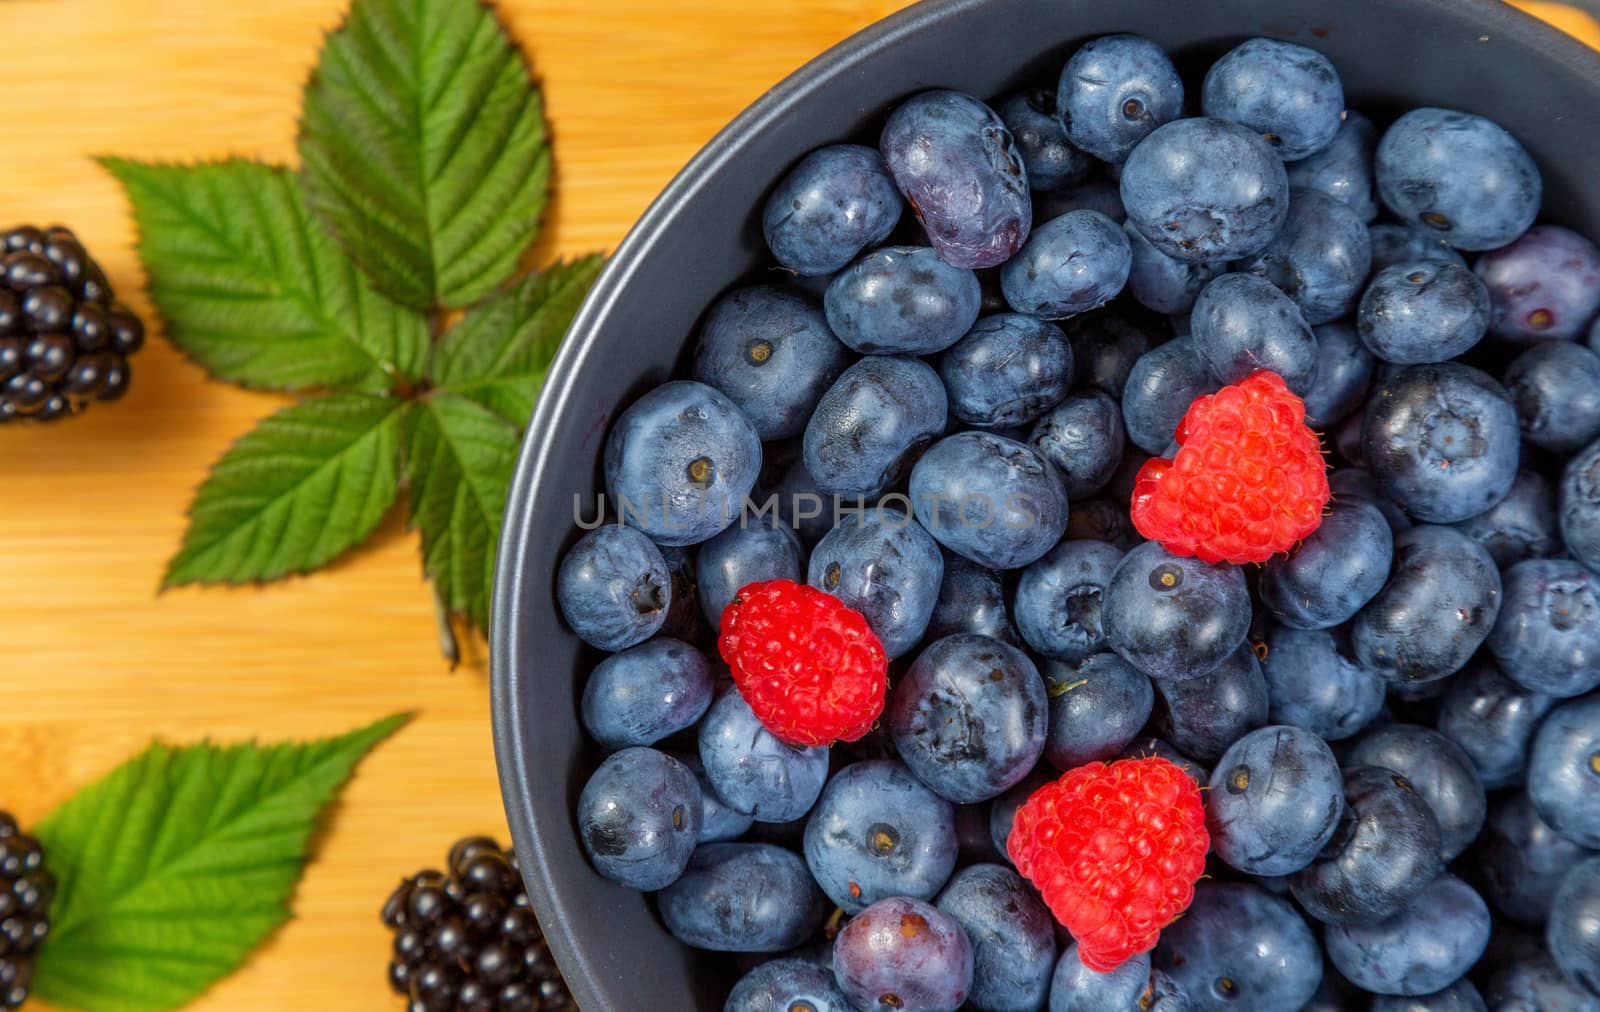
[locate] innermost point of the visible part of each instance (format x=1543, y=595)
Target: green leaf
x=179, y=862
x=310, y=482
x=252, y=288
x=459, y=456
x=424, y=148
x=499, y=352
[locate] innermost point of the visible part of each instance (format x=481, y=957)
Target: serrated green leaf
x=309, y=483
x=424, y=148
x=459, y=456
x=179, y=862
x=498, y=354
x=253, y=289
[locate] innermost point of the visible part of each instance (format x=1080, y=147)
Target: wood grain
x=96, y=662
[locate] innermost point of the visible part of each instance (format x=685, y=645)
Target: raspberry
x=1115, y=850
x=26, y=889
x=808, y=665
x=1248, y=480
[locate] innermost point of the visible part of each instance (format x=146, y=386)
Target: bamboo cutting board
x=95, y=662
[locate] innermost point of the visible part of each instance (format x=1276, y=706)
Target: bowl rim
x=549, y=900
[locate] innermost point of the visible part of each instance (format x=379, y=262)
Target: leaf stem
x=448, y=644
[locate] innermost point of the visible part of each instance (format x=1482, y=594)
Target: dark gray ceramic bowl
x=703, y=234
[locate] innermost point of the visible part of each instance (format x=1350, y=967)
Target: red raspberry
x=1115, y=850
x=807, y=664
x=1248, y=480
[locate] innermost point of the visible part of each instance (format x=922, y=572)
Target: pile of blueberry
x=940, y=419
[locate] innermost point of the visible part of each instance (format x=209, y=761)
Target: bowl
x=703, y=234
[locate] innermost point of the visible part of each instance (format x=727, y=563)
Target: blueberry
x=1275, y=800
x=1105, y=345
x=771, y=352
x=1442, y=441
x=1243, y=323
x=1404, y=244
x=1438, y=770
x=1535, y=983
x=1460, y=175
x=1556, y=387
x=1312, y=683
x=872, y=424
x=972, y=600
x=1289, y=94
x=1336, y=570
x=1012, y=934
x=1203, y=716
x=1076, y=988
x=1384, y=852
x=1493, y=719
x=1422, y=311
x=1097, y=194
x=1522, y=861
x=680, y=463
x=878, y=832
x=1172, y=616
x=1357, y=483
x=1520, y=526
x=1343, y=169
x=1069, y=265
x=1205, y=190
x=639, y=818
x=1114, y=91
x=613, y=588
x=754, y=772
x=881, y=563
x=836, y=202
x=1059, y=597
x=683, y=610
x=969, y=717
x=742, y=897
x=1423, y=949
x=1564, y=771
x=956, y=164
x=1441, y=600
x=785, y=985
x=902, y=300
x=1240, y=947
x=906, y=955
x=1547, y=637
x=1573, y=931
x=1103, y=519
x=1008, y=370
x=1159, y=390
x=645, y=693
x=1050, y=158
x=1320, y=258
x=748, y=552
x=993, y=500
x=1083, y=437
x=1003, y=811
x=1578, y=505
x=717, y=820
x=799, y=505
x=1096, y=709
x=1544, y=285
x=1458, y=997
x=1163, y=284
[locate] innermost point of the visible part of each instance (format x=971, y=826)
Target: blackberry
x=466, y=939
x=26, y=888
x=64, y=340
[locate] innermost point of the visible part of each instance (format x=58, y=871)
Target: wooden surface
x=95, y=663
